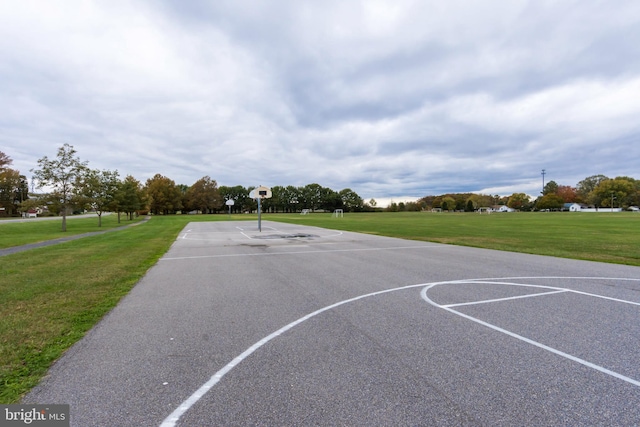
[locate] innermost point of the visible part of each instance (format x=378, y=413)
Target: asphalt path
x=16, y=249
x=308, y=326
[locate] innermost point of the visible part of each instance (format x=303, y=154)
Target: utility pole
x=543, y=174
x=612, y=201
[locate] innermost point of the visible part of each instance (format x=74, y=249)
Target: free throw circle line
x=586, y=363
x=175, y=416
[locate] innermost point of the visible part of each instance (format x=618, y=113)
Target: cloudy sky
x=393, y=99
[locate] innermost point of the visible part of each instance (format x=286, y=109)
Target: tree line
x=597, y=191
x=75, y=187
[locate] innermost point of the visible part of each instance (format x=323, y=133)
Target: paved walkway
x=22, y=248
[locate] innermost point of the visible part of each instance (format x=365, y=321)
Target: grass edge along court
x=50, y=297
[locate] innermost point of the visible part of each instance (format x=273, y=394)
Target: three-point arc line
x=173, y=418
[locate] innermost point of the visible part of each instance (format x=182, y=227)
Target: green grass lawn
x=50, y=297
x=22, y=233
x=604, y=237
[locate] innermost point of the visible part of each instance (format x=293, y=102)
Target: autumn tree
x=204, y=195
x=62, y=175
x=568, y=193
x=13, y=186
x=163, y=194
x=481, y=200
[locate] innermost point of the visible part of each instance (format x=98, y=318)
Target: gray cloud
x=388, y=98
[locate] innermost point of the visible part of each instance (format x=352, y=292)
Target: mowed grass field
x=50, y=297
x=604, y=237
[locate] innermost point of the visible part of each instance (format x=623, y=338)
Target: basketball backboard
x=260, y=192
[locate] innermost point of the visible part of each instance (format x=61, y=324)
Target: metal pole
x=259, y=216
x=612, y=201
x=543, y=173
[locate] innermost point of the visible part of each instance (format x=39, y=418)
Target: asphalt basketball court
x=298, y=325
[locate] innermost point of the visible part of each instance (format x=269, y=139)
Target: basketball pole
x=259, y=216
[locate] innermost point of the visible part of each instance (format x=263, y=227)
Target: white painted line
x=599, y=368
x=494, y=282
x=607, y=298
x=240, y=228
x=503, y=299
x=173, y=418
x=551, y=277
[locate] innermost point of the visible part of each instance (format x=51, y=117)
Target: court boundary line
x=174, y=417
x=583, y=362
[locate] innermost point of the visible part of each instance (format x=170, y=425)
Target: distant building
x=503, y=208
x=573, y=207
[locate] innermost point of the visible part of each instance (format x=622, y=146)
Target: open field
x=50, y=297
x=603, y=237
x=32, y=231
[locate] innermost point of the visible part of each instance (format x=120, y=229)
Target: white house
x=505, y=208
x=572, y=207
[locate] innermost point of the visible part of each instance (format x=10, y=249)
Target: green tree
x=550, y=201
x=130, y=197
x=62, y=175
x=469, y=207
x=292, y=198
x=311, y=196
x=276, y=202
x=620, y=191
x=550, y=188
x=448, y=203
x=413, y=207
x=240, y=197
x=586, y=186
x=518, y=201
x=330, y=200
x=5, y=160
x=98, y=190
